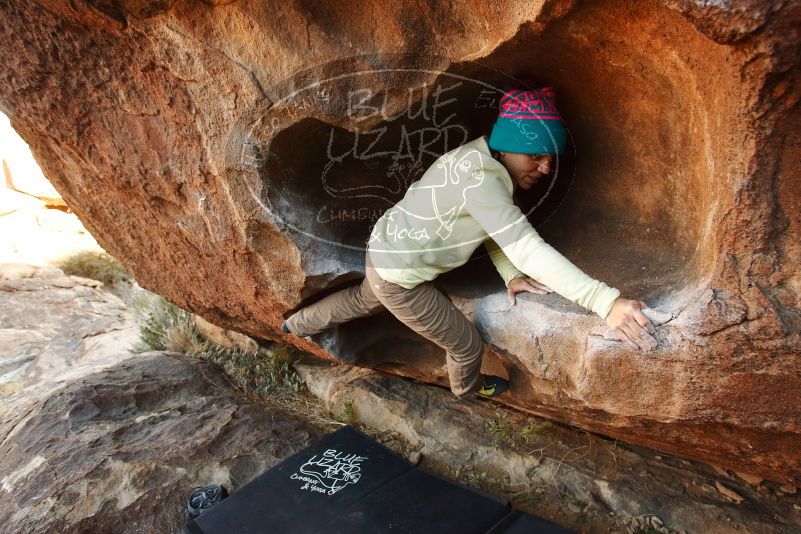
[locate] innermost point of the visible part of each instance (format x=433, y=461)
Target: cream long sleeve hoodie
x=462, y=201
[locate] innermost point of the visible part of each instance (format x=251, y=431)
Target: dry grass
x=265, y=376
x=512, y=433
x=95, y=265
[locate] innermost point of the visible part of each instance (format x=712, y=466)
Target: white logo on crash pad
x=330, y=472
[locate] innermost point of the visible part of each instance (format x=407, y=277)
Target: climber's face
x=527, y=169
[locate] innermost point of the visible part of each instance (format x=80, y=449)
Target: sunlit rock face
x=234, y=156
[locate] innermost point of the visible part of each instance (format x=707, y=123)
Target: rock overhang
x=678, y=116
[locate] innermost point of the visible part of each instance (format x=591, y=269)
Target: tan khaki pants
x=424, y=309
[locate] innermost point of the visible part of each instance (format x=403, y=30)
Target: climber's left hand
x=525, y=283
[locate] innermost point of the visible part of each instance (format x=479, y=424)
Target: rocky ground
x=119, y=450
x=576, y=478
x=96, y=438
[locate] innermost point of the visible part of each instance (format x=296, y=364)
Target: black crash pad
x=422, y=502
x=518, y=522
x=349, y=482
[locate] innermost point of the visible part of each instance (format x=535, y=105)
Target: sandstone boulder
x=54, y=327
x=120, y=450
x=94, y=438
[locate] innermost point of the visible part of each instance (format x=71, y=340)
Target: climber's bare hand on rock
x=630, y=324
x=524, y=283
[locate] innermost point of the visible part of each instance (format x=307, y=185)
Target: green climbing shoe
x=493, y=386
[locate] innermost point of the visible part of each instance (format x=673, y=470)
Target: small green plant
x=583, y=512
x=510, y=432
x=348, y=414
x=477, y=478
x=96, y=265
x=501, y=429
x=163, y=325
x=532, y=432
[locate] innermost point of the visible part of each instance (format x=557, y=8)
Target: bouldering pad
x=349, y=482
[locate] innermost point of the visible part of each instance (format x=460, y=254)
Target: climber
x=463, y=200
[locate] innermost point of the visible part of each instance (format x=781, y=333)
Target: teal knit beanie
x=528, y=123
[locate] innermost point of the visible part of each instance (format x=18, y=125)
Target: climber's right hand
x=630, y=324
